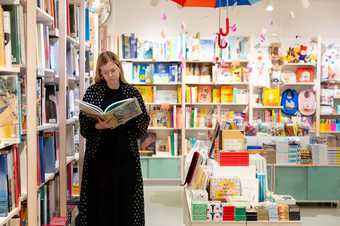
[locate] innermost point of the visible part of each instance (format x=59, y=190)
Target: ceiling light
x=305, y=4
x=270, y=6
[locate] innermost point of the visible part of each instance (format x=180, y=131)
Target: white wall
x=138, y=16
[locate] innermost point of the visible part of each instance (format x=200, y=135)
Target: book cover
x=207, y=47
x=7, y=37
x=226, y=94
x=146, y=92
x=148, y=144
x=9, y=109
x=162, y=147
x=204, y=94
x=2, y=38
x=123, y=110
x=216, y=95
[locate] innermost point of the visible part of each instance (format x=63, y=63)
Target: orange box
x=304, y=74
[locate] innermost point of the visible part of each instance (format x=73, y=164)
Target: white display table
x=189, y=222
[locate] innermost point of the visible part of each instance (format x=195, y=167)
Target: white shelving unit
x=10, y=70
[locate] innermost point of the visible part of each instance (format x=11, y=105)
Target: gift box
x=199, y=210
x=305, y=74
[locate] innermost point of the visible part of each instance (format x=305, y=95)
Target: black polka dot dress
x=112, y=184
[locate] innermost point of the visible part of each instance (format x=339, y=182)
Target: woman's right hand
x=103, y=124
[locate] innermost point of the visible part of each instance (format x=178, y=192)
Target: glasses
x=110, y=72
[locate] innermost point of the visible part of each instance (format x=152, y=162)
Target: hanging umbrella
x=213, y=3
x=216, y=4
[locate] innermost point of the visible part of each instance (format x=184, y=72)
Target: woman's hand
x=107, y=124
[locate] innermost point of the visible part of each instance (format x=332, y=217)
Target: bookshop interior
x=216, y=112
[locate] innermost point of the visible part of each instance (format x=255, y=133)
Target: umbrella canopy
x=213, y=3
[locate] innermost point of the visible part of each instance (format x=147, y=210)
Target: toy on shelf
x=300, y=54
x=331, y=65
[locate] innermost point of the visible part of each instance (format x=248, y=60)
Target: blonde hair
x=104, y=58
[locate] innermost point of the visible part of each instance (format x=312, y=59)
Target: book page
x=116, y=104
x=90, y=109
x=125, y=111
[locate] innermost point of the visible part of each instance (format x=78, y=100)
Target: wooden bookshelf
x=13, y=69
x=298, y=84
x=43, y=17
x=8, y=142
x=157, y=84
x=48, y=126
x=72, y=40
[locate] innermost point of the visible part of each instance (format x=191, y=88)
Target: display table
x=188, y=222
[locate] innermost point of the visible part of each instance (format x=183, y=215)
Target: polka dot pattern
x=136, y=127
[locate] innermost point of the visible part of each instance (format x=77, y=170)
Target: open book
x=123, y=110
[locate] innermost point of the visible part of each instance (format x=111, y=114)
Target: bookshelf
x=221, y=109
x=44, y=70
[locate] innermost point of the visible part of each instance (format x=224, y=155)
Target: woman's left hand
x=113, y=122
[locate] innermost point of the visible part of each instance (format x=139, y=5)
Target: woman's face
x=111, y=73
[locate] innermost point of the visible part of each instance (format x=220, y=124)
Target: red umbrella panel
x=196, y=3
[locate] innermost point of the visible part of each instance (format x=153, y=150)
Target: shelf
x=8, y=142
x=200, y=62
x=235, y=60
x=233, y=104
x=70, y=159
x=160, y=157
x=10, y=2
x=331, y=81
x=218, y=83
x=330, y=115
x=199, y=129
x=304, y=165
x=162, y=129
x=202, y=104
x=73, y=79
x=13, y=213
x=330, y=132
x=200, y=83
x=48, y=177
x=298, y=65
x=298, y=84
x=54, y=33
x=46, y=72
x=162, y=103
x=274, y=223
x=72, y=40
x=232, y=83
x=71, y=121
x=156, y=84
x=150, y=61
x=43, y=17
x=267, y=107
x=13, y=69
x=48, y=126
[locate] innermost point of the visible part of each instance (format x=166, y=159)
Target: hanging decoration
x=221, y=35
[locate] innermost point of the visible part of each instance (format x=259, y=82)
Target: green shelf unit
x=161, y=168
x=269, y=177
x=324, y=183
x=308, y=183
x=291, y=180
x=145, y=167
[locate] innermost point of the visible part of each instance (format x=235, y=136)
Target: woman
x=112, y=185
